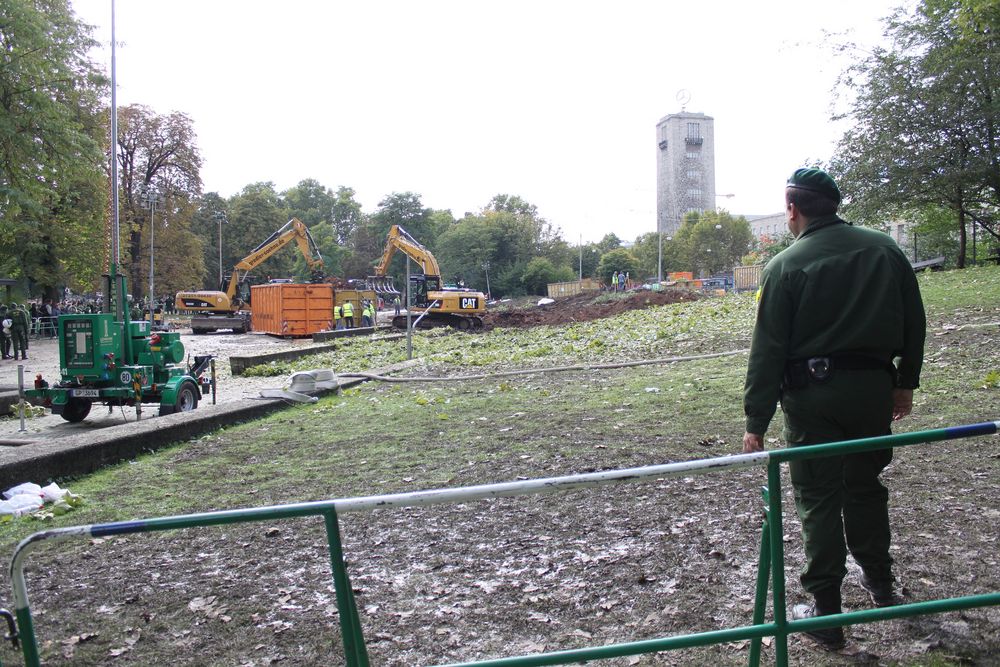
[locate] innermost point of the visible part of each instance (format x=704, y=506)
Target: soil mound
x=583, y=307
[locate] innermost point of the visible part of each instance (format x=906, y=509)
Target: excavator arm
x=400, y=239
x=295, y=230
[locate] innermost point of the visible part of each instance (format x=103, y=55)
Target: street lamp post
x=220, y=217
x=486, y=268
x=151, y=197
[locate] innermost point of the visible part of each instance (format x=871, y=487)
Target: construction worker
x=338, y=316
x=348, y=314
x=366, y=313
x=19, y=329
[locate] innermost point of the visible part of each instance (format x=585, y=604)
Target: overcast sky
x=457, y=101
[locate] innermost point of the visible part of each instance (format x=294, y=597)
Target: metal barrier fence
x=771, y=563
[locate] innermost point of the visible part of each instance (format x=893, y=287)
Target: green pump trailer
x=99, y=365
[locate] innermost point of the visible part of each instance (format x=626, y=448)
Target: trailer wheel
x=76, y=410
x=187, y=400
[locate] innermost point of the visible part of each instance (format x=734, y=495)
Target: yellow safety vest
x=338, y=313
x=348, y=310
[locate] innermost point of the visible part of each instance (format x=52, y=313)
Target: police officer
x=834, y=310
x=19, y=329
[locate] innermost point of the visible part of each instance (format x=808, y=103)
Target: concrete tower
x=685, y=168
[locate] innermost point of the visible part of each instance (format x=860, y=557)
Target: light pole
x=581, y=258
x=486, y=268
x=220, y=217
x=151, y=197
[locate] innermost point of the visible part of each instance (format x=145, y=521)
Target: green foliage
x=766, y=247
x=992, y=380
x=712, y=242
x=310, y=202
x=619, y=260
x=936, y=91
x=159, y=154
x=255, y=213
x=52, y=183
x=540, y=272
x=646, y=250
x=205, y=222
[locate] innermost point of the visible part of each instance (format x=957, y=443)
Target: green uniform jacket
x=837, y=289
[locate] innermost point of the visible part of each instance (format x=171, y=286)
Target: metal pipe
x=20, y=396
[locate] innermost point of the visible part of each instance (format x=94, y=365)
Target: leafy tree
x=713, y=241
x=332, y=252
x=646, y=250
x=155, y=153
x=609, y=242
x=346, y=215
x=255, y=213
x=211, y=212
x=310, y=202
x=179, y=251
x=926, y=113
x=766, y=247
x=540, y=271
x=399, y=208
x=467, y=248
x=619, y=260
x=52, y=185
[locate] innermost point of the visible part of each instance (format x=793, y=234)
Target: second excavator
x=433, y=305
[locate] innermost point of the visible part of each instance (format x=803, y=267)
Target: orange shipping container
x=291, y=310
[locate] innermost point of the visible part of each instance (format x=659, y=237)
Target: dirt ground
x=581, y=308
x=516, y=576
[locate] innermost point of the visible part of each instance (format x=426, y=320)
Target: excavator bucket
x=382, y=285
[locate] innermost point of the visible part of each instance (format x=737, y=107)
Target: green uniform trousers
x=839, y=499
x=19, y=335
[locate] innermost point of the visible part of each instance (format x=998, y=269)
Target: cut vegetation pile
x=513, y=576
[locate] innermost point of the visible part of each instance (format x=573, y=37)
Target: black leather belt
x=799, y=372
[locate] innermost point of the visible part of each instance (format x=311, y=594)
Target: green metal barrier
x=771, y=561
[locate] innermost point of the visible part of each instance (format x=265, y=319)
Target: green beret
x=815, y=180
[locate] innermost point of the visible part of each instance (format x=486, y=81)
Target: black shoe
x=881, y=591
x=831, y=639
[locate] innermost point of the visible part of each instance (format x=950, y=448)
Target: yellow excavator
x=433, y=305
x=214, y=310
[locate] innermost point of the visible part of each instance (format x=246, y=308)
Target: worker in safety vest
x=366, y=318
x=371, y=314
x=348, y=315
x=338, y=316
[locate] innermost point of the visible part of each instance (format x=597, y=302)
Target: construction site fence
x=771, y=565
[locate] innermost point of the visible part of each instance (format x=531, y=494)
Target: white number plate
x=84, y=393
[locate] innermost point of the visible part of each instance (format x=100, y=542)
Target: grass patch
x=381, y=438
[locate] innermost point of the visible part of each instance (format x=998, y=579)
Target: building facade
x=685, y=168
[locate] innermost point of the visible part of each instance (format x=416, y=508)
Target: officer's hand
x=902, y=403
x=752, y=442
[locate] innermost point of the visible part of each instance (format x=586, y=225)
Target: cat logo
x=469, y=303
